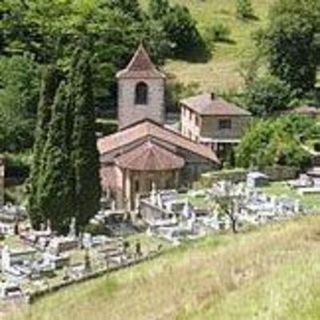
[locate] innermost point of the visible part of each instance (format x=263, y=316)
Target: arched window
x=141, y=94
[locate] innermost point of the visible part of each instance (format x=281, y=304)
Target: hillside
x=223, y=71
x=271, y=273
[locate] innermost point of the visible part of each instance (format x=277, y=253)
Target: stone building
x=214, y=122
x=140, y=91
x=2, y=180
x=145, y=153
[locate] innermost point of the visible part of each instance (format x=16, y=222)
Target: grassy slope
x=271, y=273
x=222, y=72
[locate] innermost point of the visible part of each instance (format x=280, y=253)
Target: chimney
x=212, y=95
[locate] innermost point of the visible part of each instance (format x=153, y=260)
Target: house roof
x=149, y=157
x=140, y=67
x=211, y=105
x=149, y=128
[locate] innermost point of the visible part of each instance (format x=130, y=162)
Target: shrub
x=317, y=146
x=265, y=95
x=244, y=9
x=218, y=32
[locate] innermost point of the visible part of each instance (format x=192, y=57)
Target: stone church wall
x=130, y=113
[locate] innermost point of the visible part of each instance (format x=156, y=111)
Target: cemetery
x=33, y=262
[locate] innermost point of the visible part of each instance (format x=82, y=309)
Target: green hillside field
x=270, y=273
x=223, y=72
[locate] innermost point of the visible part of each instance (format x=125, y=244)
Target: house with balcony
x=213, y=122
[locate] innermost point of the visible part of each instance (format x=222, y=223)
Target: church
x=144, y=153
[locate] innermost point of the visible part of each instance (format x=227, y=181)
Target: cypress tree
x=85, y=156
x=49, y=85
x=55, y=189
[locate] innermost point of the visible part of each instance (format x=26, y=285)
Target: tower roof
x=140, y=66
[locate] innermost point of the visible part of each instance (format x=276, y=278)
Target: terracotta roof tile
x=149, y=157
x=148, y=128
x=140, y=67
x=209, y=104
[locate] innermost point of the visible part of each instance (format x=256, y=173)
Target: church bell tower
x=141, y=89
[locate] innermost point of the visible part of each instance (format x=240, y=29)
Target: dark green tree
x=182, y=32
x=85, y=155
x=49, y=85
x=158, y=8
x=265, y=95
x=19, y=95
x=129, y=7
x=56, y=188
x=291, y=46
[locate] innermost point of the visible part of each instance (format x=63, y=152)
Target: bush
x=265, y=95
x=218, y=32
x=95, y=229
x=276, y=142
x=181, y=30
x=106, y=127
x=17, y=166
x=317, y=146
x=244, y=9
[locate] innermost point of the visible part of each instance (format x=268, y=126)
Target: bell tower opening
x=141, y=93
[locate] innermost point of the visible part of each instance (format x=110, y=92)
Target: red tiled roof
x=148, y=128
x=149, y=157
x=140, y=67
x=210, y=105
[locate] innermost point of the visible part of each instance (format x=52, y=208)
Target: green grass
x=270, y=273
x=223, y=72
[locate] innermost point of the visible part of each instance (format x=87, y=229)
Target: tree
x=291, y=46
x=229, y=203
x=49, y=85
x=19, y=94
x=277, y=142
x=158, y=8
x=266, y=94
x=244, y=9
x=182, y=32
x=55, y=188
x=85, y=156
x=129, y=7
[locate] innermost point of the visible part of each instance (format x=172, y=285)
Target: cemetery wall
x=275, y=173
x=235, y=175
x=280, y=173
x=34, y=296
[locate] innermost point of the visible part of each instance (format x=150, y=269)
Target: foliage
x=265, y=95
x=182, y=32
x=291, y=46
x=49, y=31
x=18, y=165
x=218, y=32
x=19, y=90
x=276, y=142
x=158, y=8
x=244, y=9
x=48, y=88
x=128, y=7
x=85, y=156
x=55, y=182
x=175, y=91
